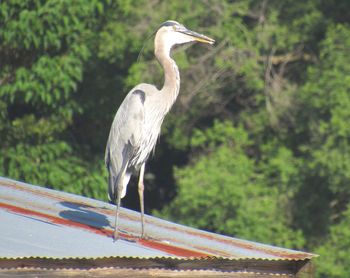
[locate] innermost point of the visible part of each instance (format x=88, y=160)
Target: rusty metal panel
x=39, y=222
x=164, y=267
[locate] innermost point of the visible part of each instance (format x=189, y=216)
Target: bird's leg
x=141, y=189
x=119, y=194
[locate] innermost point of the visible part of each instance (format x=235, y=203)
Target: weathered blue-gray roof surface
x=39, y=222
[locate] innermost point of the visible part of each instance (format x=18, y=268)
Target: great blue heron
x=138, y=121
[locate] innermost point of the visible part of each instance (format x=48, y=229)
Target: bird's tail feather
x=114, y=181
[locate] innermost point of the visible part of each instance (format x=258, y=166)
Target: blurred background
x=257, y=145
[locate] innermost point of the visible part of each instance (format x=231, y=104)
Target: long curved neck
x=171, y=85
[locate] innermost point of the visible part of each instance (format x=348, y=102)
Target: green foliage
x=225, y=191
x=54, y=164
x=44, y=46
x=338, y=242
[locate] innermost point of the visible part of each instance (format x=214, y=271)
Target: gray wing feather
x=124, y=138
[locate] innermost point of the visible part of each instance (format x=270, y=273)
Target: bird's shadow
x=83, y=214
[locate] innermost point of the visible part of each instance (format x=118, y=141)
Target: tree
x=336, y=263
x=44, y=48
x=225, y=191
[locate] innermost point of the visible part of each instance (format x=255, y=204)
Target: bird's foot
x=116, y=235
x=144, y=236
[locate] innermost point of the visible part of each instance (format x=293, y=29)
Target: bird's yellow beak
x=198, y=37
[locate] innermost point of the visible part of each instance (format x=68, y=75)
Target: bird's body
x=137, y=128
x=137, y=123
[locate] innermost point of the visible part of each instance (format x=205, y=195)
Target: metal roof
x=50, y=230
x=41, y=222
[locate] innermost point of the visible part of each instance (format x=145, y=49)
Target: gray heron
x=137, y=123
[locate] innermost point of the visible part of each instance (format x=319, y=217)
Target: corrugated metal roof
x=39, y=222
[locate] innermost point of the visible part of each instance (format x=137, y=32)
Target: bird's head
x=171, y=33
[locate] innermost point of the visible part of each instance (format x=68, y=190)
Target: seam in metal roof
x=209, y=258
